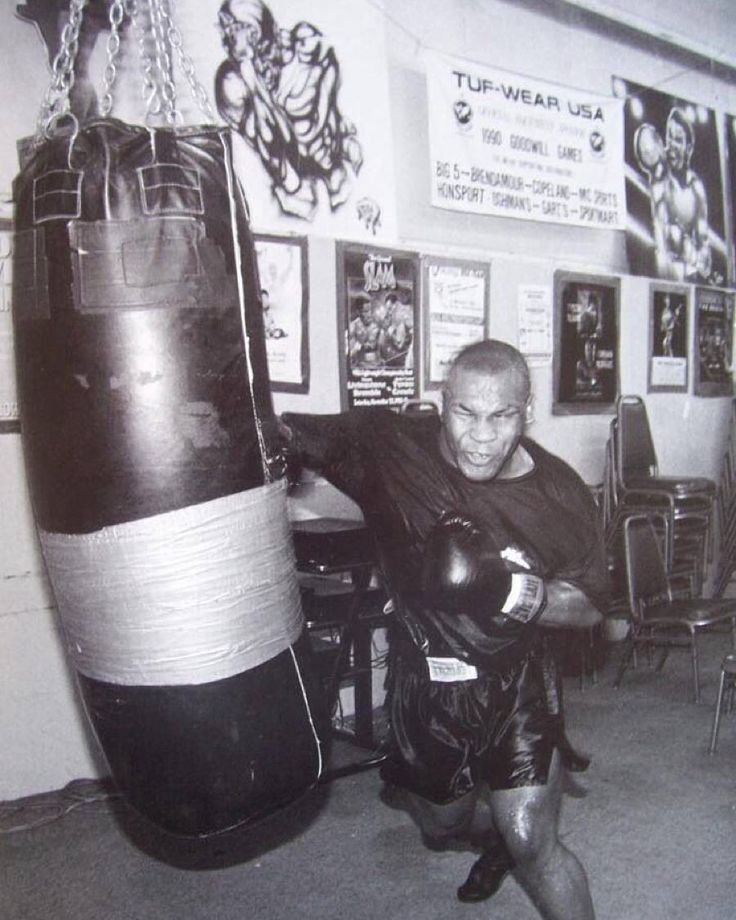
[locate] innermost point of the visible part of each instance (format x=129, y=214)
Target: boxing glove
x=464, y=574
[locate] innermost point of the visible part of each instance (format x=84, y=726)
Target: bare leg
x=552, y=876
x=440, y=824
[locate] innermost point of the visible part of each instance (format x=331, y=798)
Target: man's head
x=680, y=140
x=485, y=402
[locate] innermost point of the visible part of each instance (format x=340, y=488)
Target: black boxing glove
x=464, y=574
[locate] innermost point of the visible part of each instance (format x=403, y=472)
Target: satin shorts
x=446, y=738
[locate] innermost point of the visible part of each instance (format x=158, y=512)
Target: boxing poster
x=284, y=280
x=668, y=339
x=713, y=342
x=585, y=360
x=303, y=85
x=455, y=310
x=9, y=410
x=674, y=188
x=377, y=325
x=730, y=135
x=513, y=146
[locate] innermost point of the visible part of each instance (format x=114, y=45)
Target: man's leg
x=552, y=876
x=441, y=824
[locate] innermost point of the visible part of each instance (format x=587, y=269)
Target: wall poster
x=377, y=325
x=455, y=306
x=668, y=339
x=585, y=363
x=513, y=146
x=730, y=135
x=284, y=277
x=675, y=228
x=713, y=342
x=9, y=412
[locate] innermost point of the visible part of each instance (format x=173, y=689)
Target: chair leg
x=624, y=663
x=717, y=714
x=696, y=670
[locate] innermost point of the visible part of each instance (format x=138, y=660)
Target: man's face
x=678, y=152
x=482, y=421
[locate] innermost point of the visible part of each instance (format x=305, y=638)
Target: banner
x=674, y=189
x=514, y=146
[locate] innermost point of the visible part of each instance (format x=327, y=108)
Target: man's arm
x=568, y=607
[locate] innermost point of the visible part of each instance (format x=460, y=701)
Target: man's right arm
x=328, y=444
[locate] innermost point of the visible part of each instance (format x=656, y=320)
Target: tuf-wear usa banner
x=512, y=146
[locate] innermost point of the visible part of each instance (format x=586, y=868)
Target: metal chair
x=728, y=679
x=657, y=618
x=635, y=486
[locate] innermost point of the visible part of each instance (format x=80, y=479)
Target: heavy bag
x=145, y=415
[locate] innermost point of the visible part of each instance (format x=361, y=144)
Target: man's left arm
x=568, y=607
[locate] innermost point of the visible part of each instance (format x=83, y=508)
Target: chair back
x=646, y=574
x=636, y=455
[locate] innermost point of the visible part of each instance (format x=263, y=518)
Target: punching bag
x=145, y=418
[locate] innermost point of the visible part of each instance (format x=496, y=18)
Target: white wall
x=45, y=741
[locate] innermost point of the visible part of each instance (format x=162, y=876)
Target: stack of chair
x=633, y=486
x=725, y=566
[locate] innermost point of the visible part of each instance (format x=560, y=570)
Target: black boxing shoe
x=485, y=876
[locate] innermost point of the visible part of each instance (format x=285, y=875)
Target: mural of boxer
x=278, y=88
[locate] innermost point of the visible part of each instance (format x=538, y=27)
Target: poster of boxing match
x=713, y=342
x=284, y=278
x=585, y=360
x=675, y=227
x=377, y=325
x=668, y=339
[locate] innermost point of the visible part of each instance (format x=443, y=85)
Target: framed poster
x=668, y=339
x=9, y=413
x=284, y=278
x=675, y=228
x=713, y=342
x=455, y=303
x=585, y=360
x=377, y=324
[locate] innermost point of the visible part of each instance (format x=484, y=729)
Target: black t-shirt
x=391, y=466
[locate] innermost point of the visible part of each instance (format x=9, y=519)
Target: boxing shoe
x=486, y=875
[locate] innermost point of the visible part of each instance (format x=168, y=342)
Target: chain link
x=186, y=64
x=117, y=13
x=158, y=39
x=56, y=101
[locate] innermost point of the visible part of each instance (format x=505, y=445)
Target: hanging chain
x=117, y=12
x=186, y=64
x=158, y=39
x=150, y=89
x=56, y=101
x=162, y=58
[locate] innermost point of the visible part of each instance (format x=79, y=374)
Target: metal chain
x=158, y=38
x=56, y=101
x=185, y=62
x=150, y=89
x=117, y=13
x=164, y=68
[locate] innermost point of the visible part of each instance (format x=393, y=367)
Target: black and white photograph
x=367, y=460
